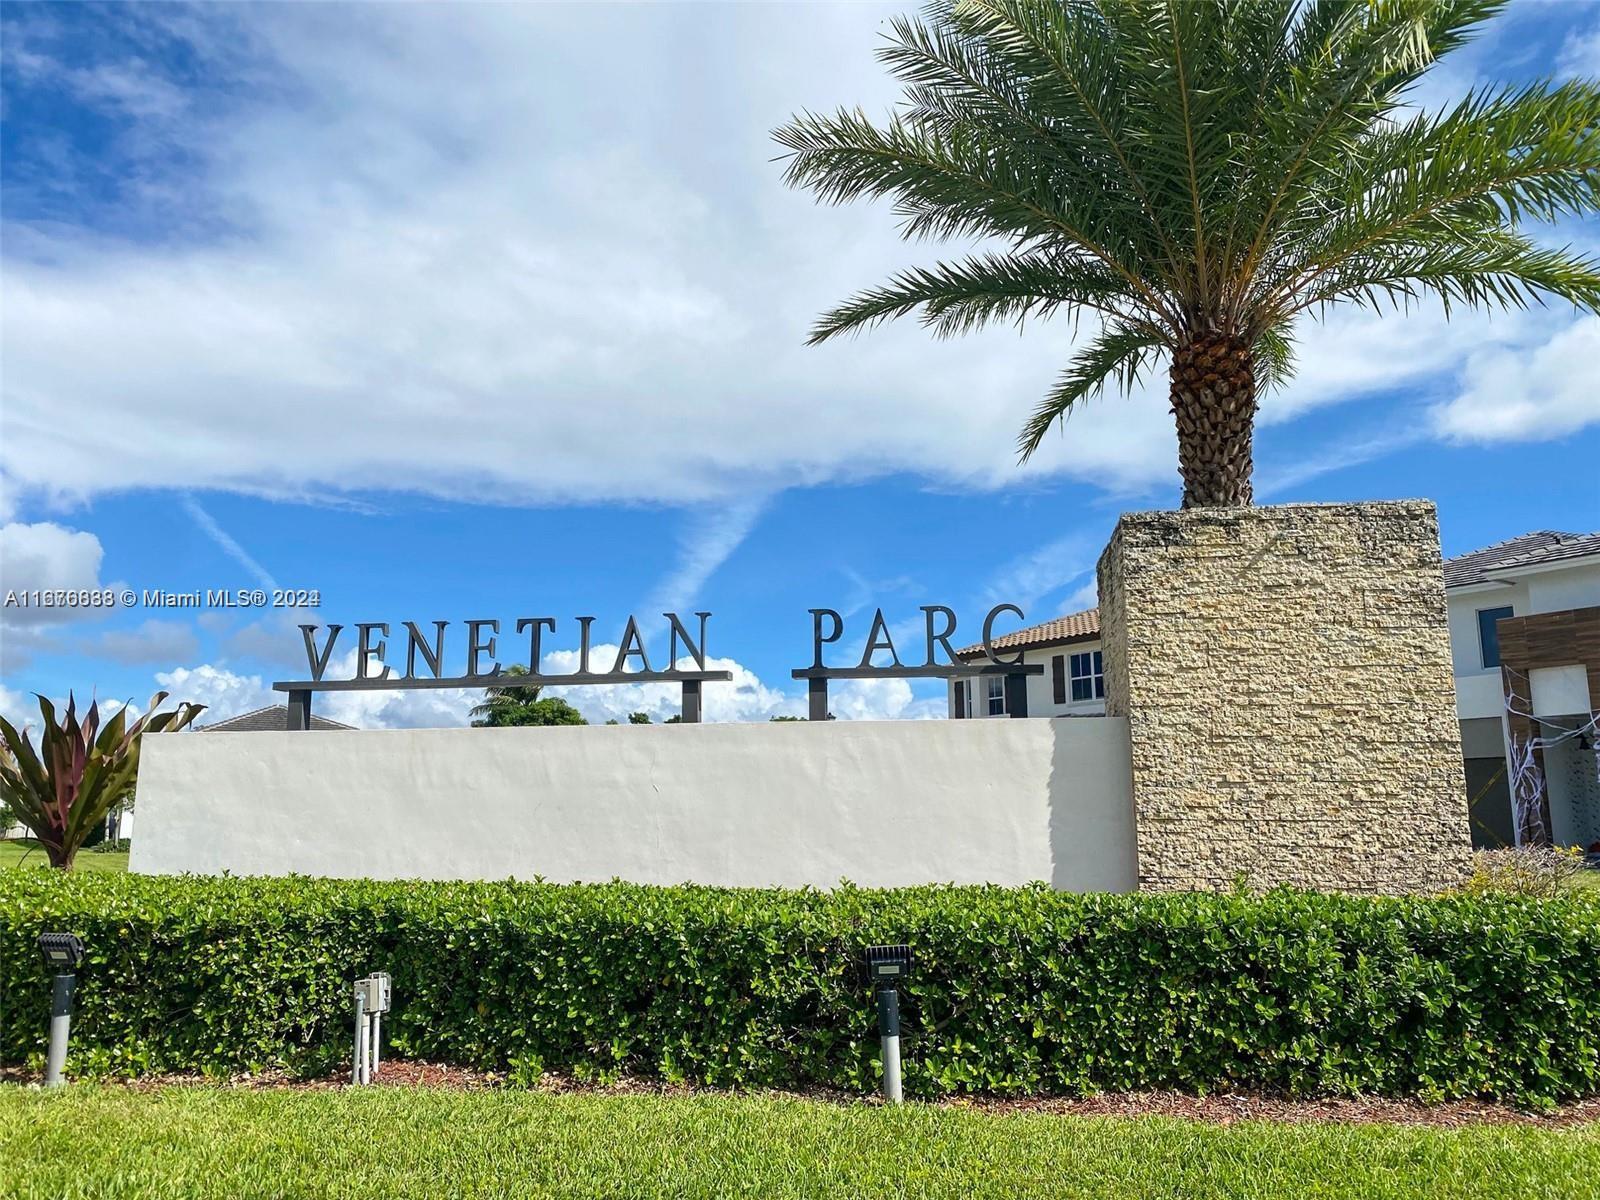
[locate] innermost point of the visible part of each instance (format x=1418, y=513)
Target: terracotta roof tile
x=1074, y=627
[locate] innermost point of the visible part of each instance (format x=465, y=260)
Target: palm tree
x=1195, y=175
x=511, y=704
x=499, y=702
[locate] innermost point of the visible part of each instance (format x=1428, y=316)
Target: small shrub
x=82, y=768
x=1542, y=872
x=1020, y=991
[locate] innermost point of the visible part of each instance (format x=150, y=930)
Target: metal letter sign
x=481, y=645
x=482, y=641
x=817, y=674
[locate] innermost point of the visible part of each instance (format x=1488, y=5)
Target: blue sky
x=462, y=312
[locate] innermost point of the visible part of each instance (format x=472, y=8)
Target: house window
x=997, y=696
x=1088, y=679
x=1058, y=678
x=1489, y=636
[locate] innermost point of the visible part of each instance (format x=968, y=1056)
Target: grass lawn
x=25, y=852
x=1587, y=879
x=89, y=1140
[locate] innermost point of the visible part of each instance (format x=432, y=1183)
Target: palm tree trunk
x=60, y=858
x=1213, y=385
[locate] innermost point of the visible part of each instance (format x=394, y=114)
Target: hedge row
x=1015, y=990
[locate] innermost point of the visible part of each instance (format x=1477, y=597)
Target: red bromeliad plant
x=81, y=769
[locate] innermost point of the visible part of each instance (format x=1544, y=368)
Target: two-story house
x=1524, y=623
x=1525, y=643
x=1072, y=685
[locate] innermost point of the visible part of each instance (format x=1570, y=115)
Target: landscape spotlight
x=62, y=953
x=887, y=966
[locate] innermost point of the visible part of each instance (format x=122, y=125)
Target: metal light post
x=63, y=952
x=887, y=966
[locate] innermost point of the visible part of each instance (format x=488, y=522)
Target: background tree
x=519, y=704
x=504, y=700
x=1195, y=175
x=634, y=718
x=63, y=791
x=552, y=710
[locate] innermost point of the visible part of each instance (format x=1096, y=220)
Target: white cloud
x=130, y=87
x=43, y=557
x=881, y=700
x=1087, y=595
x=1349, y=452
x=21, y=710
x=1544, y=392
x=442, y=708
x=224, y=693
x=461, y=255
x=228, y=693
x=1043, y=571
x=154, y=641
x=1358, y=352
x=710, y=538
x=133, y=88
x=227, y=544
x=46, y=556
x=744, y=698
x=273, y=640
x=439, y=286
x=1580, y=54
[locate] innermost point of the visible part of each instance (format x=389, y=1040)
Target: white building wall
x=1559, y=589
x=1041, y=690
x=1478, y=687
x=879, y=803
x=1559, y=691
x=1556, y=589
x=1555, y=691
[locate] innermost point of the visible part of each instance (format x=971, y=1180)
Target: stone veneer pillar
x=1286, y=675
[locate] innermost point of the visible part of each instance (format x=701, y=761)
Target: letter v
x=319, y=662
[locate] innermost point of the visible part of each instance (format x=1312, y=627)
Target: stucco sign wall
x=879, y=803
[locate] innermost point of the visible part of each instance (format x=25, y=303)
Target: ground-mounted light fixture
x=62, y=953
x=372, y=1001
x=887, y=966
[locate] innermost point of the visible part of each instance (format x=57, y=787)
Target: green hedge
x=1015, y=990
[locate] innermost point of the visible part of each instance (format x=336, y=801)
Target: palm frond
x=1119, y=353
x=1202, y=169
x=1496, y=159
x=1273, y=356
x=1493, y=269
x=950, y=183
x=1349, y=68
x=963, y=296
x=1070, y=76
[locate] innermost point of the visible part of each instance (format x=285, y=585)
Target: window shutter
x=961, y=699
x=1058, y=678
